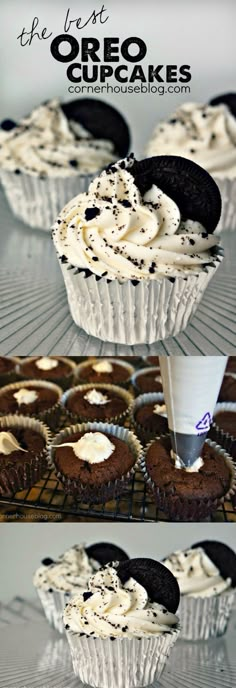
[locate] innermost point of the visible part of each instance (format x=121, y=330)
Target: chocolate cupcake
x=231, y=365
x=206, y=574
x=147, y=380
x=23, y=452
x=223, y=429
x=33, y=398
x=97, y=402
x=112, y=371
x=53, y=368
x=228, y=389
x=7, y=370
x=149, y=417
x=186, y=495
x=95, y=461
x=122, y=628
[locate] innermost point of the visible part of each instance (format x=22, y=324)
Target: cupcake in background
x=23, y=452
x=57, y=581
x=141, y=243
x=122, y=628
x=8, y=372
x=205, y=134
x=112, y=371
x=35, y=398
x=206, y=574
x=58, y=369
x=54, y=153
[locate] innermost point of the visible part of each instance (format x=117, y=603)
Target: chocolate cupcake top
x=205, y=134
x=47, y=144
x=97, y=402
x=228, y=389
x=112, y=609
x=6, y=364
x=148, y=380
x=32, y=398
x=196, y=573
x=129, y=227
x=105, y=370
x=45, y=367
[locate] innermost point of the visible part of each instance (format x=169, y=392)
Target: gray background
x=24, y=545
x=201, y=34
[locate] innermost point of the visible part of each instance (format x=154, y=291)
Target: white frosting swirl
x=96, y=398
x=115, y=232
x=70, y=573
x=46, y=143
x=9, y=443
x=202, y=133
x=46, y=363
x=116, y=610
x=25, y=396
x=103, y=366
x=196, y=574
x=93, y=447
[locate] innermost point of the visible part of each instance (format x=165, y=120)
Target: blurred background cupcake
x=52, y=154
x=205, y=134
x=138, y=250
x=206, y=574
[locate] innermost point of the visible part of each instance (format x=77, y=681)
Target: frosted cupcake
x=206, y=574
x=138, y=249
x=122, y=629
x=205, y=134
x=49, y=156
x=57, y=581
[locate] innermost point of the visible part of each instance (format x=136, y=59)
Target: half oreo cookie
x=102, y=121
x=158, y=581
x=222, y=556
x=189, y=185
x=228, y=99
x=105, y=552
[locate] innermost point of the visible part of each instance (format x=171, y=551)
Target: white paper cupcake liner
x=227, y=189
x=125, y=313
x=53, y=604
x=120, y=663
x=97, y=494
x=37, y=202
x=14, y=479
x=123, y=393
x=186, y=509
x=50, y=416
x=202, y=618
x=86, y=364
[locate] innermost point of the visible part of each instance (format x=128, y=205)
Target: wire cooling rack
x=48, y=499
x=34, y=656
x=35, y=317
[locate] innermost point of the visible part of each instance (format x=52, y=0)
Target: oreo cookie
x=101, y=120
x=228, y=99
x=105, y=552
x=222, y=556
x=189, y=185
x=158, y=581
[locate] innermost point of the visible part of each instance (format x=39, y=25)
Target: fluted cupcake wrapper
x=98, y=494
x=86, y=364
x=134, y=313
x=117, y=419
x=53, y=603
x=16, y=478
x=227, y=441
x=50, y=416
x=145, y=434
x=64, y=382
x=202, y=618
x=37, y=202
x=129, y=662
x=186, y=509
x=227, y=189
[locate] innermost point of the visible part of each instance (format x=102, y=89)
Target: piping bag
x=191, y=385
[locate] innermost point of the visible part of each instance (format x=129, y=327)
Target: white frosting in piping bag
x=117, y=610
x=93, y=447
x=202, y=133
x=115, y=232
x=196, y=574
x=8, y=443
